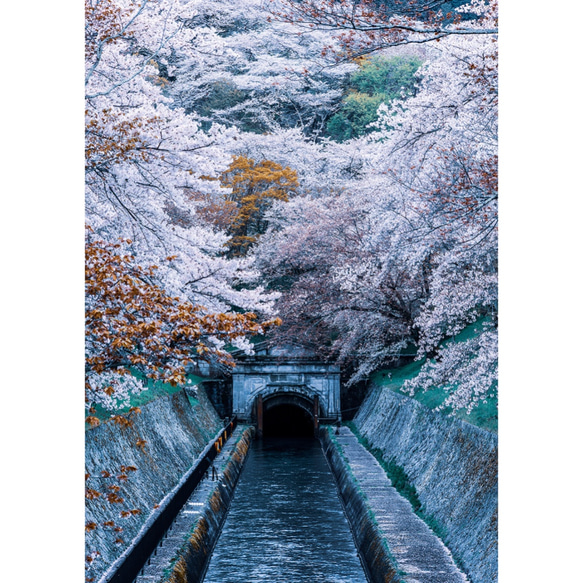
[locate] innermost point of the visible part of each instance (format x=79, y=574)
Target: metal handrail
x=128, y=566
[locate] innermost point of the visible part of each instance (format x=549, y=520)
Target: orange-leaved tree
x=133, y=323
x=254, y=187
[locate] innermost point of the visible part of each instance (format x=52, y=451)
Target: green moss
x=394, y=471
x=154, y=390
x=483, y=415
x=194, y=402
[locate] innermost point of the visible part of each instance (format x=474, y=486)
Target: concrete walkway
x=182, y=527
x=419, y=554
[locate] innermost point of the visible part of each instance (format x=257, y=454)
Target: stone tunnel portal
x=287, y=415
x=286, y=395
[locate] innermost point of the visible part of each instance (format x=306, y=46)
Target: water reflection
x=286, y=522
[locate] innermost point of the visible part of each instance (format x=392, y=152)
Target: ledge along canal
x=286, y=521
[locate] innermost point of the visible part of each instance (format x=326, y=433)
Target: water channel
x=286, y=522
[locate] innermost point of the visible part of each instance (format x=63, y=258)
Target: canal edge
x=190, y=563
x=394, y=542
x=375, y=556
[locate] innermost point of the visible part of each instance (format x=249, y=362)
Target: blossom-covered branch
x=365, y=26
x=133, y=324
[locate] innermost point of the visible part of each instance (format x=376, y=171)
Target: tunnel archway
x=288, y=415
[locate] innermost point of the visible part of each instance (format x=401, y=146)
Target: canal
x=286, y=522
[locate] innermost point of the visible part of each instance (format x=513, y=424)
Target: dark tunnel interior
x=287, y=421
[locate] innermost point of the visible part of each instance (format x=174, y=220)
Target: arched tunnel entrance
x=288, y=421
x=287, y=415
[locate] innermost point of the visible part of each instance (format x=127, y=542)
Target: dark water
x=286, y=523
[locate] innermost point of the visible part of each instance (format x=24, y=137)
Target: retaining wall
x=453, y=467
x=162, y=442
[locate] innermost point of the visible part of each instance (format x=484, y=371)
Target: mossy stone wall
x=162, y=441
x=453, y=468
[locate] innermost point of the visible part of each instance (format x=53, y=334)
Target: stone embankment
x=185, y=552
x=452, y=467
x=162, y=442
x=395, y=545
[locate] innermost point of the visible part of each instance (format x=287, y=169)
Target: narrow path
x=420, y=555
x=181, y=528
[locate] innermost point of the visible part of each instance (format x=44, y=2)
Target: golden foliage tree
x=254, y=188
x=131, y=322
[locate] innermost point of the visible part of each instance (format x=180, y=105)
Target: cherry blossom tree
x=341, y=294
x=133, y=324
x=446, y=138
x=422, y=196
x=390, y=239
x=365, y=26
x=144, y=154
x=260, y=75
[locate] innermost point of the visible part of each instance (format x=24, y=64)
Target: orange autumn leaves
x=254, y=189
x=131, y=322
x=113, y=138
x=105, y=23
x=255, y=186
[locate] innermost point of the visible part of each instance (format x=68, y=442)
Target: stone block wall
x=162, y=442
x=453, y=467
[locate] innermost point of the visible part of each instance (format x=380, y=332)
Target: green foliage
x=154, y=390
x=378, y=80
x=386, y=75
x=483, y=415
x=358, y=110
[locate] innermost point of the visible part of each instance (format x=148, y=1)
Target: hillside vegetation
x=318, y=174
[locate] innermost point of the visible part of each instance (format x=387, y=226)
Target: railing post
x=316, y=412
x=260, y=416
